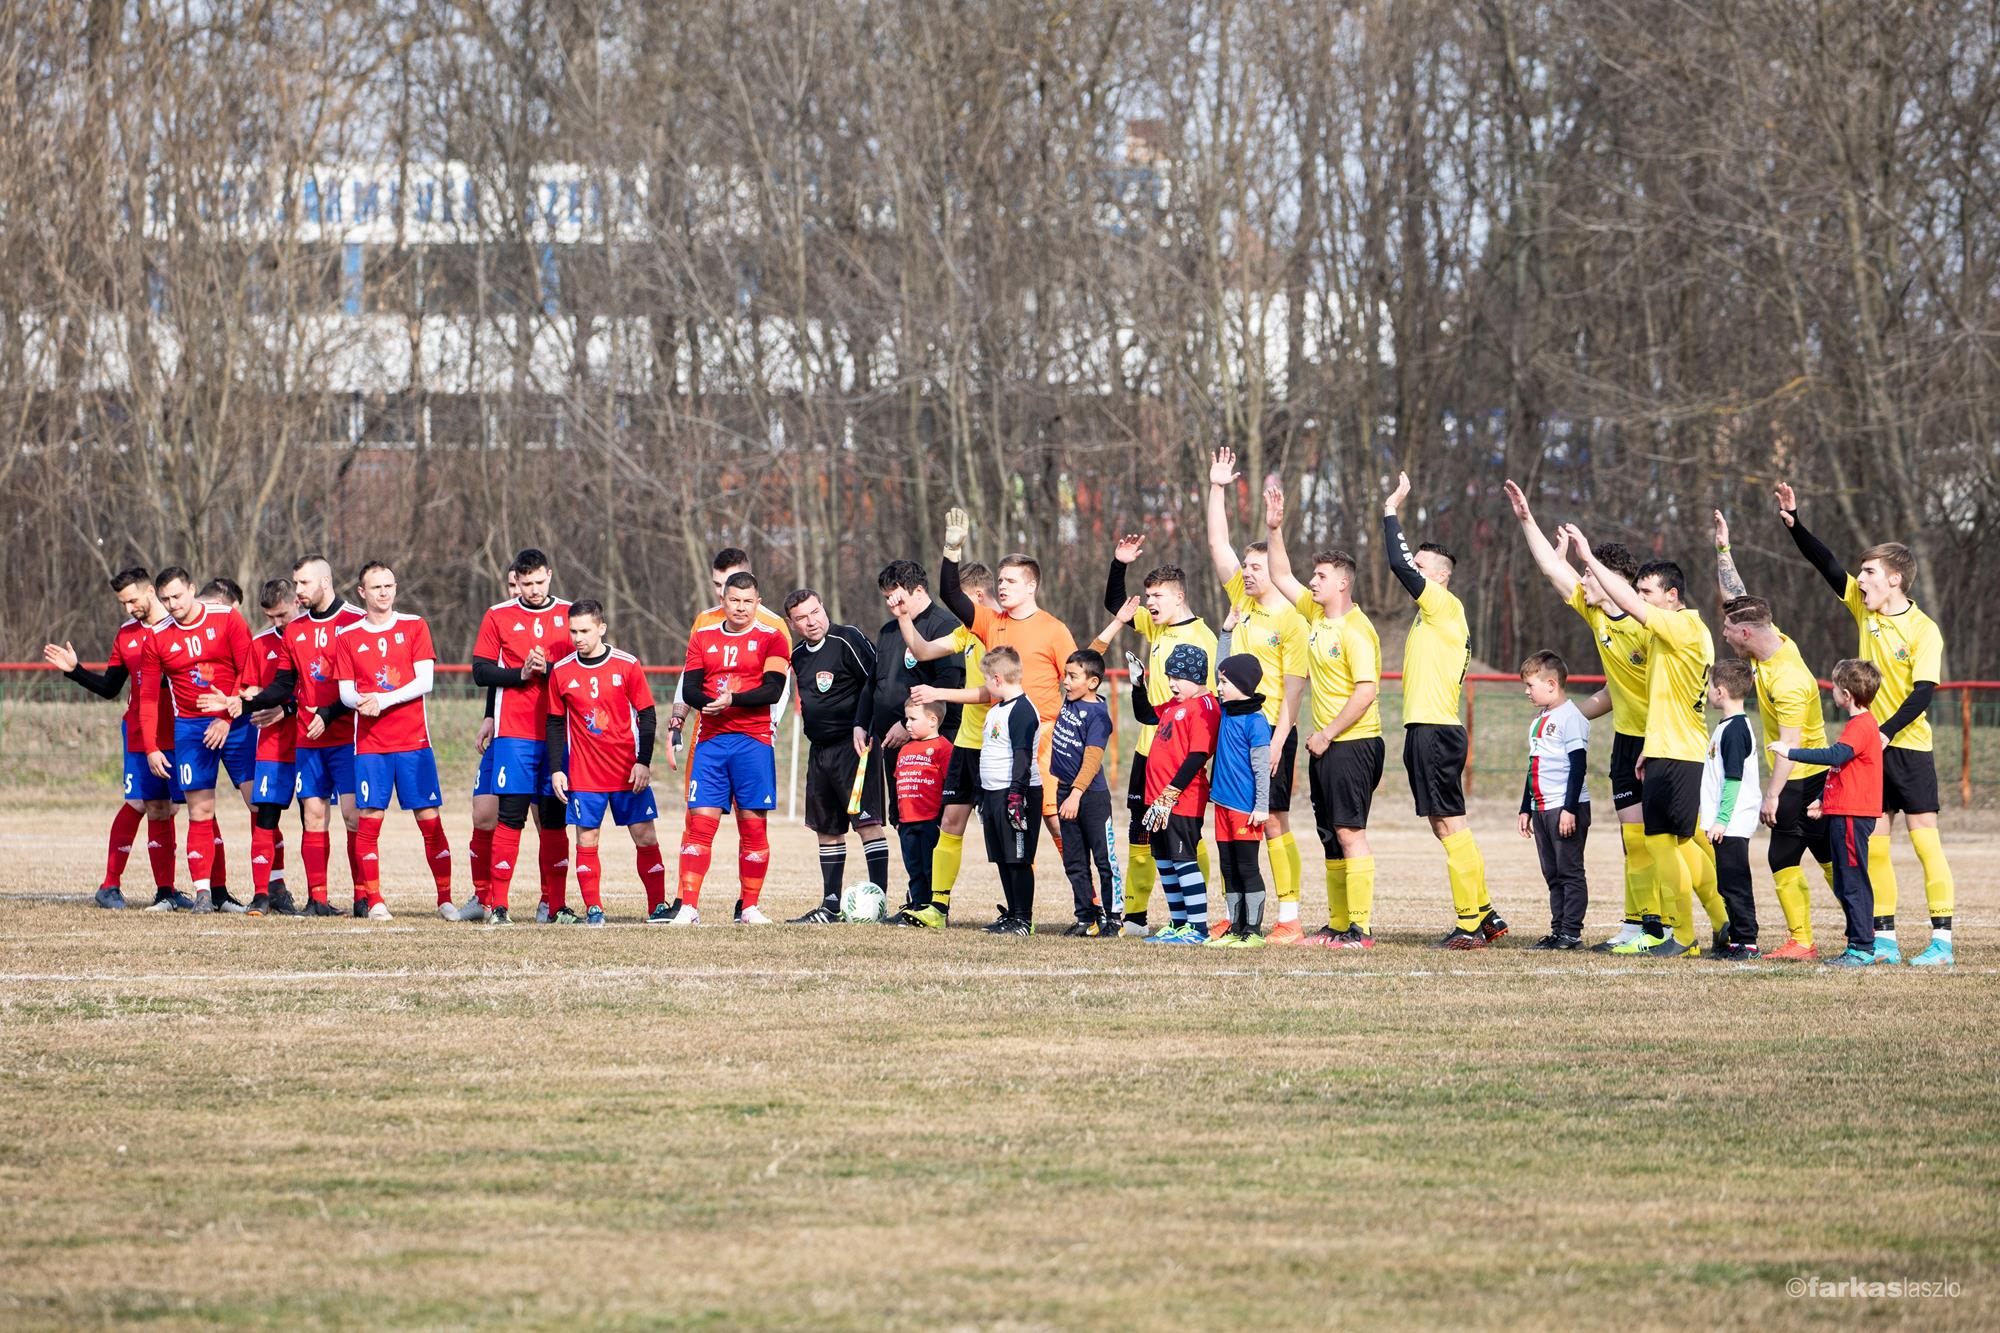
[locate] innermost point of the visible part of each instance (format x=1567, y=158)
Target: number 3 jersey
x=380, y=658
x=736, y=662
x=599, y=703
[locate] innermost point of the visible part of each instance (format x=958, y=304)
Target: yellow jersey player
x=1907, y=648
x=1789, y=706
x=1344, y=748
x=1670, y=766
x=1623, y=650
x=1434, y=744
x=1271, y=630
x=1164, y=622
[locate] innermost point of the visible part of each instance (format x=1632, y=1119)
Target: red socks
x=160, y=850
x=554, y=849
x=315, y=854
x=218, y=870
x=437, y=853
x=587, y=873
x=652, y=874
x=277, y=853
x=200, y=851
x=697, y=845
x=479, y=861
x=357, y=874
x=368, y=848
x=753, y=857
x=263, y=851
x=124, y=828
x=506, y=851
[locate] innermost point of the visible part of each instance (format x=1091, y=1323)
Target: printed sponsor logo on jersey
x=823, y=681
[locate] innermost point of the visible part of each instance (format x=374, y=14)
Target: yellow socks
x=1940, y=893
x=1336, y=895
x=1639, y=900
x=1140, y=877
x=1882, y=875
x=945, y=858
x=1360, y=891
x=1675, y=885
x=1795, y=903
x=1287, y=867
x=1467, y=869
x=1699, y=854
x=1201, y=859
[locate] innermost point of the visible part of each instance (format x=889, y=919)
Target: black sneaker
x=1737, y=953
x=1082, y=930
x=497, y=916
x=1324, y=936
x=1002, y=925
x=819, y=916
x=1110, y=926
x=1492, y=927
x=1568, y=942
x=361, y=908
x=282, y=903
x=320, y=907
x=1013, y=925
x=1461, y=939
x=260, y=903
x=1547, y=943
x=1720, y=946
x=163, y=900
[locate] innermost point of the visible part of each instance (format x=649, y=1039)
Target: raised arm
x=1221, y=475
x=1126, y=610
x=1123, y=554
x=1726, y=576
x=924, y=650
x=1615, y=587
x=1401, y=563
x=1282, y=577
x=1547, y=558
x=1812, y=548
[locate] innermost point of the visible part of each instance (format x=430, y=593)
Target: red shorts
x=1235, y=826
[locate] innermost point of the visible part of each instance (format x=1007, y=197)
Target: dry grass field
x=292, y=1123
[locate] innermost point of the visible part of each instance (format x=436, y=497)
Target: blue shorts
x=196, y=766
x=276, y=783
x=482, y=785
x=142, y=785
x=520, y=767
x=586, y=808
x=411, y=774
x=733, y=770
x=326, y=772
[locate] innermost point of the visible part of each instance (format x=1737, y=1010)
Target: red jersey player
x=736, y=671
x=1177, y=789
x=201, y=650
x=384, y=663
x=518, y=639
x=602, y=722
x=146, y=793
x=276, y=782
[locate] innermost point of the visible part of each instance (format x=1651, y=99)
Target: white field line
x=799, y=974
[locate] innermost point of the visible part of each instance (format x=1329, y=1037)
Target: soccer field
x=288, y=1122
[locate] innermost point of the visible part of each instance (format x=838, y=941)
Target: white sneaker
x=472, y=911
x=753, y=915
x=449, y=912
x=687, y=916
x=542, y=912
x=380, y=912
x=1132, y=930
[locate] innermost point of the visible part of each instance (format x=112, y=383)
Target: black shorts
x=1281, y=781
x=1625, y=752
x=961, y=776
x=1434, y=757
x=1671, y=797
x=830, y=784
x=1343, y=782
x=1135, y=803
x=1909, y=781
x=1794, y=835
x=1180, y=840
x=1005, y=844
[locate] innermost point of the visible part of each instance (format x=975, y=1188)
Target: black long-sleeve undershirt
x=1190, y=767
x=1114, y=587
x=952, y=593
x=1142, y=707
x=106, y=684
x=275, y=695
x=762, y=696
x=1573, y=787
x=556, y=740
x=1912, y=709
x=1819, y=556
x=649, y=730
x=1401, y=563
x=487, y=671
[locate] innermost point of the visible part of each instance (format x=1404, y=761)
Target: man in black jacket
x=834, y=665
